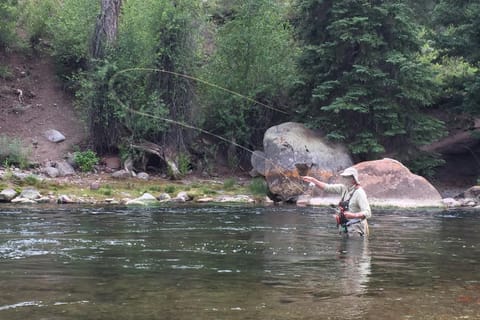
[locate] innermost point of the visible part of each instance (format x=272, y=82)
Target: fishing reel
x=339, y=212
x=343, y=205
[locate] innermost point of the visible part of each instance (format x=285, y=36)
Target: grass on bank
x=132, y=188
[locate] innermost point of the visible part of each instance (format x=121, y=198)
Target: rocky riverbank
x=32, y=187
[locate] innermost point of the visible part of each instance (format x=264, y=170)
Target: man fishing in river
x=353, y=208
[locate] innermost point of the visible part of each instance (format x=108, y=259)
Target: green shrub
x=12, y=152
x=208, y=191
x=229, y=183
x=183, y=163
x=85, y=160
x=5, y=72
x=34, y=18
x=154, y=189
x=106, y=190
x=258, y=39
x=8, y=13
x=258, y=187
x=72, y=27
x=32, y=180
x=425, y=164
x=170, y=189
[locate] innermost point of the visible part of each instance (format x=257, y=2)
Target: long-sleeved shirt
x=358, y=198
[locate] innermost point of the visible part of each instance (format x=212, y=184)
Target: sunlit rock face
x=388, y=182
x=290, y=151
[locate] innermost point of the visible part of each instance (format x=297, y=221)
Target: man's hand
x=308, y=179
x=316, y=182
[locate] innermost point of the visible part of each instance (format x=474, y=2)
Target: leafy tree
x=159, y=41
x=71, y=28
x=136, y=91
x=254, y=61
x=176, y=52
x=458, y=37
x=106, y=28
x=103, y=125
x=422, y=10
x=35, y=17
x=8, y=16
x=363, y=81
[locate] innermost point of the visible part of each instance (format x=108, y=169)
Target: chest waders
x=343, y=206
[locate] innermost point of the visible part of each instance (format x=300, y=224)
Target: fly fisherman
x=353, y=209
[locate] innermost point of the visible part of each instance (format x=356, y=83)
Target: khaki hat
x=351, y=172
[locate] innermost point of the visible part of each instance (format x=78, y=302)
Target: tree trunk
x=167, y=156
x=106, y=28
x=104, y=128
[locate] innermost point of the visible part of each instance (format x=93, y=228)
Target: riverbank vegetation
x=97, y=188
x=198, y=79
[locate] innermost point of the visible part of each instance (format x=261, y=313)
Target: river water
x=235, y=262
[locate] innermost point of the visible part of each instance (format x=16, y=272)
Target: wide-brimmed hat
x=351, y=172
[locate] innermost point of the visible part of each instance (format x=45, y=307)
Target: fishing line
x=186, y=76
x=300, y=187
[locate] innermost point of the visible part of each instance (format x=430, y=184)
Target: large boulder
x=388, y=182
x=290, y=151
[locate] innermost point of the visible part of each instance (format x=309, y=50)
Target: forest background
x=203, y=78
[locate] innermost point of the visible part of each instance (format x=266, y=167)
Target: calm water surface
x=235, y=263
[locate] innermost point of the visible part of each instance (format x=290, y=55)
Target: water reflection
x=235, y=263
x=355, y=267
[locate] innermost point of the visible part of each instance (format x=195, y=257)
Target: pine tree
x=362, y=79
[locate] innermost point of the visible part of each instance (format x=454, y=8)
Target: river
x=235, y=262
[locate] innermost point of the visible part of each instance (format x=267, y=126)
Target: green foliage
x=85, y=160
x=32, y=180
x=458, y=37
x=258, y=187
x=253, y=58
x=8, y=18
x=208, y=191
x=12, y=152
x=165, y=37
x=155, y=188
x=35, y=18
x=458, y=28
x=98, y=107
x=184, y=163
x=8, y=174
x=5, y=72
x=229, y=183
x=170, y=189
x=370, y=70
x=106, y=190
x=425, y=164
x=135, y=94
x=71, y=27
x=363, y=80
